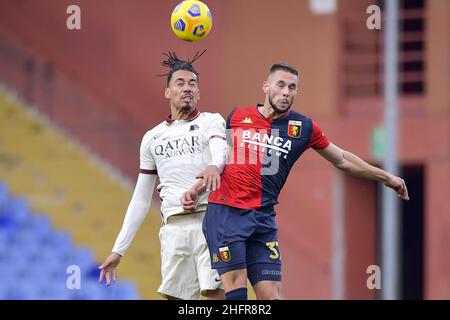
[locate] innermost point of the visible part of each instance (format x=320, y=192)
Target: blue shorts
x=243, y=239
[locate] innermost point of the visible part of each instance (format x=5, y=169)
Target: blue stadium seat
x=4, y=241
x=39, y=225
x=41, y=271
x=18, y=262
x=90, y=290
x=57, y=290
x=50, y=258
x=8, y=223
x=3, y=196
x=29, y=249
x=124, y=290
x=93, y=272
x=34, y=259
x=4, y=292
x=81, y=257
x=5, y=271
x=18, y=208
x=24, y=237
x=58, y=240
x=24, y=289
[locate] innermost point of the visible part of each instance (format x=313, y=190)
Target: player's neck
x=268, y=112
x=177, y=114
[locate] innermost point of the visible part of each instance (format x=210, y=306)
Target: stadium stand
x=35, y=259
x=69, y=212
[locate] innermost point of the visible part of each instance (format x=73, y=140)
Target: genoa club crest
x=225, y=254
x=294, y=129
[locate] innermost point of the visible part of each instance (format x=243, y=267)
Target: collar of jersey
x=193, y=115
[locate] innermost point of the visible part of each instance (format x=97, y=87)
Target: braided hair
x=175, y=64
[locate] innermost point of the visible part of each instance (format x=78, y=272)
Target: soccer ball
x=191, y=20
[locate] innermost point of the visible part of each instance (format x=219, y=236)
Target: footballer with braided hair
x=176, y=151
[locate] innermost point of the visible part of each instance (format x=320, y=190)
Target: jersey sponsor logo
x=263, y=147
x=262, y=141
x=179, y=147
x=247, y=120
x=294, y=129
x=225, y=254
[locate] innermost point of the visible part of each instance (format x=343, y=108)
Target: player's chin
x=283, y=107
x=187, y=107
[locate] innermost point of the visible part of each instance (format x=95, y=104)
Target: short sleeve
x=147, y=162
x=318, y=138
x=216, y=127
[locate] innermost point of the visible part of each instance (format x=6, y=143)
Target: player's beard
x=186, y=108
x=278, y=110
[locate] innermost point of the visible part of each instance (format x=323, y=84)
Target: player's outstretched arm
x=137, y=211
x=348, y=162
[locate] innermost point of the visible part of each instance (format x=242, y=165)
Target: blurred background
x=74, y=105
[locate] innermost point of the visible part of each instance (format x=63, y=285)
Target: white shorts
x=185, y=262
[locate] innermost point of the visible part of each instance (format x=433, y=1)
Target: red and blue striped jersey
x=262, y=153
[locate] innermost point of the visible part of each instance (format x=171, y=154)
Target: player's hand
x=210, y=177
x=398, y=185
x=108, y=268
x=189, y=199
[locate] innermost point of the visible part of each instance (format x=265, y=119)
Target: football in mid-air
x=191, y=20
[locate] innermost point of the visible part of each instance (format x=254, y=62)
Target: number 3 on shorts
x=273, y=247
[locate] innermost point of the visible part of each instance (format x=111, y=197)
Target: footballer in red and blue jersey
x=263, y=153
x=240, y=223
x=266, y=140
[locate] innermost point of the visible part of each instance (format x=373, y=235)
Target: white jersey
x=178, y=151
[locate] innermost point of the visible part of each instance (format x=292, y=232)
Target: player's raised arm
x=209, y=178
x=211, y=175
x=348, y=162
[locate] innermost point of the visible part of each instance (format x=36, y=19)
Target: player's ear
x=266, y=87
x=167, y=93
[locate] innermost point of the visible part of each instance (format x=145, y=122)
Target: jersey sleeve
x=137, y=211
x=318, y=138
x=147, y=162
x=216, y=128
